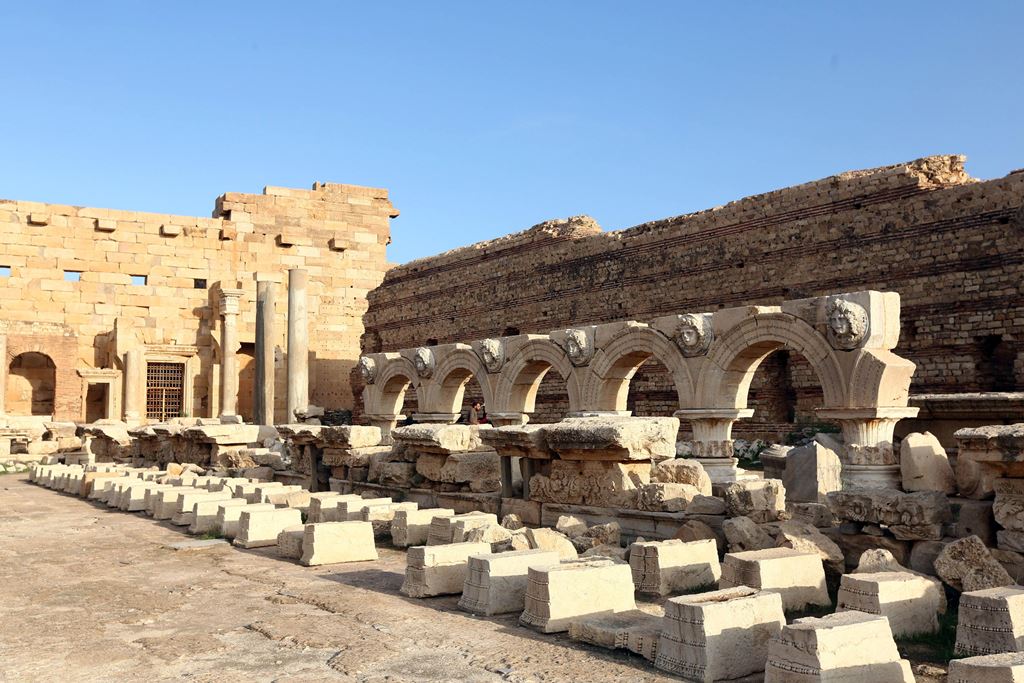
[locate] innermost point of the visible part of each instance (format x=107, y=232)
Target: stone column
x=508, y=419
x=868, y=458
x=529, y=469
x=298, y=343
x=712, y=440
x=263, y=401
x=506, y=476
x=134, y=381
x=3, y=374
x=229, y=306
x=386, y=423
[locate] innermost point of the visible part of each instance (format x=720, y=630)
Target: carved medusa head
x=423, y=359
x=847, y=324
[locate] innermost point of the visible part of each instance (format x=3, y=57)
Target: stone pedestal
x=263, y=399
x=298, y=343
x=712, y=440
x=229, y=308
x=869, y=460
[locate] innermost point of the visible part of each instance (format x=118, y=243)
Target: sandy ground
x=90, y=594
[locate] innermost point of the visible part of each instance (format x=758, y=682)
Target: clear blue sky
x=485, y=118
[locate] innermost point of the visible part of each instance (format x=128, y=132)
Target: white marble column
x=298, y=343
x=263, y=401
x=134, y=386
x=229, y=306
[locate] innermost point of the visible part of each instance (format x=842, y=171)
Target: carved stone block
x=614, y=438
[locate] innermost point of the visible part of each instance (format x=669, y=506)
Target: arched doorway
x=31, y=384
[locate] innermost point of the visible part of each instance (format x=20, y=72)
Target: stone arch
x=387, y=394
x=31, y=384
x=523, y=373
x=734, y=357
x=447, y=385
x=614, y=365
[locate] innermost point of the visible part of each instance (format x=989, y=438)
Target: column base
x=724, y=470
x=871, y=476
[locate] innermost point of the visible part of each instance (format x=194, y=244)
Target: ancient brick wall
x=951, y=246
x=336, y=232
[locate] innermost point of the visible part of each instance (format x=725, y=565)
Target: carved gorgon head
x=693, y=335
x=577, y=346
x=368, y=368
x=492, y=354
x=423, y=359
x=847, y=323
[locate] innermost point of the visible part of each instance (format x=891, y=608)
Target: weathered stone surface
x=720, y=635
x=695, y=530
x=663, y=497
x=570, y=525
x=743, y=534
x=496, y=583
x=481, y=470
x=412, y=527
x=613, y=438
x=910, y=601
x=634, y=630
x=682, y=471
x=349, y=436
x=706, y=505
x=877, y=560
x=973, y=518
x=204, y=515
x=985, y=454
x=439, y=570
x=924, y=465
x=817, y=649
x=816, y=514
x=903, y=511
x=549, y=539
x=512, y=522
x=446, y=529
x=806, y=538
x=991, y=621
x=497, y=536
x=1005, y=667
x=1008, y=506
x=558, y=594
x=773, y=459
x=258, y=528
x=601, y=484
x=334, y=542
x=664, y=567
x=229, y=516
x=523, y=441
x=289, y=542
x=798, y=576
x=812, y=472
x=967, y=565
x=437, y=438
x=763, y=500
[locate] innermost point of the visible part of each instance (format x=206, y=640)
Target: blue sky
x=486, y=118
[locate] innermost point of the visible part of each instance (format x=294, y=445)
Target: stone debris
x=743, y=534
x=259, y=527
x=985, y=454
x=816, y=514
x=570, y=526
x=336, y=542
x=412, y=527
x=812, y=472
x=818, y=649
x=664, y=567
x=184, y=513
x=229, y=515
x=549, y=539
x=446, y=529
x=437, y=438
x=967, y=565
x=763, y=500
x=720, y=635
x=439, y=569
x=706, y=505
x=289, y=542
x=558, y=594
x=326, y=509
x=1005, y=667
x=877, y=560
x=799, y=577
x=496, y=583
x=991, y=621
x=498, y=537
x=908, y=516
x=619, y=439
x=523, y=441
x=682, y=471
x=924, y=465
x=512, y=522
x=911, y=602
x=382, y=516
x=634, y=630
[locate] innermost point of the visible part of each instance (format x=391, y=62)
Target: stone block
x=909, y=601
x=973, y=518
x=664, y=567
x=1008, y=506
x=763, y=500
x=597, y=483
x=985, y=454
x=558, y=594
x=743, y=534
x=720, y=635
x=816, y=514
x=909, y=516
x=967, y=565
x=325, y=509
x=412, y=527
x=613, y=438
x=990, y=621
x=496, y=536
x=259, y=528
x=437, y=438
x=924, y=465
x=185, y=513
x=814, y=650
x=798, y=576
x=133, y=496
x=682, y=471
x=352, y=510
x=523, y=441
x=229, y=515
x=264, y=492
x=549, y=539
x=1005, y=667
x=635, y=630
x=812, y=472
x=349, y=436
x=204, y=514
x=440, y=569
x=496, y=583
x=166, y=503
x=289, y=542
x=335, y=542
x=446, y=529
x=665, y=497
x=381, y=516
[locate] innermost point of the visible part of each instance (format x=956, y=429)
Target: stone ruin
x=570, y=524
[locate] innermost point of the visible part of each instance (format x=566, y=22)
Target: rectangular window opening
x=165, y=390
x=5, y=271
x=199, y=283
x=139, y=280
x=72, y=275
